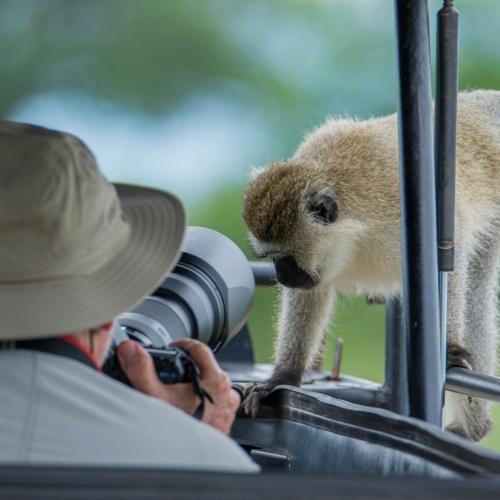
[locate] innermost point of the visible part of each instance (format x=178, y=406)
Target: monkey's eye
x=323, y=208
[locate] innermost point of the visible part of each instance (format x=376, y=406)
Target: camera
x=207, y=296
x=172, y=365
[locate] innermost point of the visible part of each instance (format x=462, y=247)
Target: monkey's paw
x=254, y=395
x=476, y=431
x=458, y=357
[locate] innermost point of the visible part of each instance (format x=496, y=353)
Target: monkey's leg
x=304, y=317
x=457, y=353
x=470, y=417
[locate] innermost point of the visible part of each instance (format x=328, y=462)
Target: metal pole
x=264, y=273
x=445, y=134
x=473, y=384
x=418, y=211
x=396, y=369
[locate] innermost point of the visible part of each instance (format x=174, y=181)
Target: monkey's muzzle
x=290, y=274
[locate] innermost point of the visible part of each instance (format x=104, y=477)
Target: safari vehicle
x=339, y=436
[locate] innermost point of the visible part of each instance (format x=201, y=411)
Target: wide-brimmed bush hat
x=75, y=250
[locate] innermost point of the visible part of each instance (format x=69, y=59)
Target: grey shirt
x=54, y=410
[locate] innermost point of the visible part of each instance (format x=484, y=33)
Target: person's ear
x=101, y=338
x=107, y=326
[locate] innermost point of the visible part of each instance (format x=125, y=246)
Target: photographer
x=75, y=252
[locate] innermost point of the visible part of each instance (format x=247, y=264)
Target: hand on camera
x=138, y=366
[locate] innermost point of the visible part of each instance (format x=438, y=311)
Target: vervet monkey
x=329, y=218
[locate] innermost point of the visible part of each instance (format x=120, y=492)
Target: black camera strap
x=57, y=346
x=202, y=394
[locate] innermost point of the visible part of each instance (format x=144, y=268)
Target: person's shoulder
x=156, y=432
x=185, y=435
x=181, y=433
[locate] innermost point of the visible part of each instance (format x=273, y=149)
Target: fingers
x=182, y=396
x=253, y=397
x=138, y=367
x=234, y=400
x=222, y=413
x=226, y=401
x=202, y=355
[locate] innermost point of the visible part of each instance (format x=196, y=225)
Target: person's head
x=75, y=250
x=96, y=340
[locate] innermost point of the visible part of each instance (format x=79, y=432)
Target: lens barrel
x=207, y=296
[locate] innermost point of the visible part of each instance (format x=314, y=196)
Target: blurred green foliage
x=292, y=62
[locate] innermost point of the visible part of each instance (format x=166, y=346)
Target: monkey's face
x=297, y=221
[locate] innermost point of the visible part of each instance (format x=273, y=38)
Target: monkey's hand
x=254, y=395
x=257, y=392
x=468, y=416
x=458, y=356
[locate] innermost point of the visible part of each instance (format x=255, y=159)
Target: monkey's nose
x=290, y=274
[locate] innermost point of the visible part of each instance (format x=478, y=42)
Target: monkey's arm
x=472, y=331
x=303, y=320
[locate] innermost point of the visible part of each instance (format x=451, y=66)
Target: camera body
x=207, y=296
x=172, y=365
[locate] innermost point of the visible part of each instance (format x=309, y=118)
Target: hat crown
x=59, y=217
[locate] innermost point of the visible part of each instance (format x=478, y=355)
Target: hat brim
x=35, y=310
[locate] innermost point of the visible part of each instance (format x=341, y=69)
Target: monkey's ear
x=323, y=208
x=255, y=172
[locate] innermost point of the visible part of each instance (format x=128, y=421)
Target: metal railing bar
x=420, y=302
x=396, y=366
x=264, y=273
x=473, y=384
